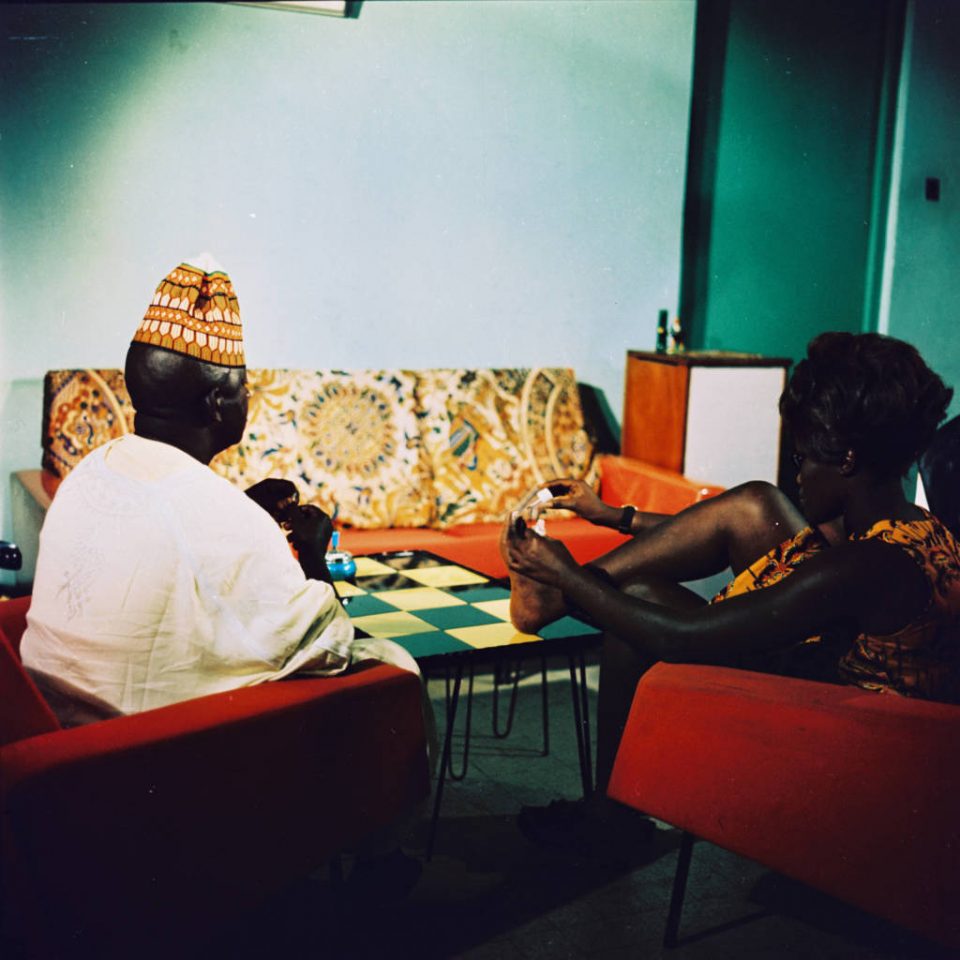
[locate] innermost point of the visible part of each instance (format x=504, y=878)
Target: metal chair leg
x=671, y=934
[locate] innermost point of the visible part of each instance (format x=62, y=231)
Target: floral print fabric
x=922, y=659
x=775, y=565
x=491, y=435
x=375, y=449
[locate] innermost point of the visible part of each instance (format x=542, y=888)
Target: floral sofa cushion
x=491, y=435
x=350, y=441
x=81, y=410
x=375, y=449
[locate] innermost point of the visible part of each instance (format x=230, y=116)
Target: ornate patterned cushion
x=350, y=441
x=375, y=449
x=491, y=435
x=81, y=410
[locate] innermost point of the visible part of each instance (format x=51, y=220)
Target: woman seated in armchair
x=862, y=587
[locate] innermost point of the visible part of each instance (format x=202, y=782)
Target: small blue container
x=340, y=563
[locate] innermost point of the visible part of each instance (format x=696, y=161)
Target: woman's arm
x=579, y=497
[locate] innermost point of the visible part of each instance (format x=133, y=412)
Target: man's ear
x=212, y=402
x=848, y=465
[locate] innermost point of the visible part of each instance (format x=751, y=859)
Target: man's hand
x=540, y=558
x=276, y=496
x=310, y=530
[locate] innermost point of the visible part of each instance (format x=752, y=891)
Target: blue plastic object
x=340, y=563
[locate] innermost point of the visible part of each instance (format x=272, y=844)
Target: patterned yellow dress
x=920, y=660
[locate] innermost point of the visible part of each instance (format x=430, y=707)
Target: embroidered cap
x=195, y=312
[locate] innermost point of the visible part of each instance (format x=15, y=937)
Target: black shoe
x=576, y=826
x=383, y=879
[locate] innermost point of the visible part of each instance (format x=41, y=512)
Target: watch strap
x=626, y=518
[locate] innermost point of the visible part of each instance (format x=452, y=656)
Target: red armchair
x=854, y=793
x=143, y=832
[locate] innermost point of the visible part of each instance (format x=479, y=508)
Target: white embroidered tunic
x=159, y=581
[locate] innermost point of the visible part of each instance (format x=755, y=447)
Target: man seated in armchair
x=158, y=581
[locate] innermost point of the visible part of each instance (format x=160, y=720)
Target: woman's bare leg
x=730, y=530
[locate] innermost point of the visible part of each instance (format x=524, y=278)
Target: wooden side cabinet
x=711, y=416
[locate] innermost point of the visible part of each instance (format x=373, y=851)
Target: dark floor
x=488, y=893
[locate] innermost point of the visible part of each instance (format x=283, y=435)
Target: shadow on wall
x=599, y=419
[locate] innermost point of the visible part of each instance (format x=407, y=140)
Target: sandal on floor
x=579, y=827
x=383, y=879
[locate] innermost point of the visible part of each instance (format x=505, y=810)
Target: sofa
x=429, y=459
x=147, y=834
x=849, y=791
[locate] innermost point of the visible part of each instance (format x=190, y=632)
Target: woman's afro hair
x=868, y=393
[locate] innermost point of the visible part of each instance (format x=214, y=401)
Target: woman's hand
x=539, y=558
x=575, y=495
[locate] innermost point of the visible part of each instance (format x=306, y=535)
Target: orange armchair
x=140, y=831
x=852, y=792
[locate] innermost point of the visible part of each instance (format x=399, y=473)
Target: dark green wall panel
x=781, y=205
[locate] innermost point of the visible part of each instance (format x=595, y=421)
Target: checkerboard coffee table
x=449, y=616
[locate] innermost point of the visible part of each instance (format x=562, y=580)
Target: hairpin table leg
x=583, y=730
x=444, y=757
x=497, y=732
x=466, y=734
x=545, y=705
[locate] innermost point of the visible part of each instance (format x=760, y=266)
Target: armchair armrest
x=208, y=804
x=849, y=791
x=649, y=488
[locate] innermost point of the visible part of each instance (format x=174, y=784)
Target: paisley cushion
x=491, y=435
x=350, y=441
x=81, y=410
x=375, y=449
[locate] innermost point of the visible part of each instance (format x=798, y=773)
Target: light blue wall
x=441, y=183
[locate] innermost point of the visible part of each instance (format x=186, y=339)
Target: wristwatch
x=626, y=518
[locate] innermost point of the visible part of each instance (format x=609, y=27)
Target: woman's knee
x=759, y=517
x=760, y=498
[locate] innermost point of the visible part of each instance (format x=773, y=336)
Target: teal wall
x=922, y=296
x=432, y=184
x=780, y=203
